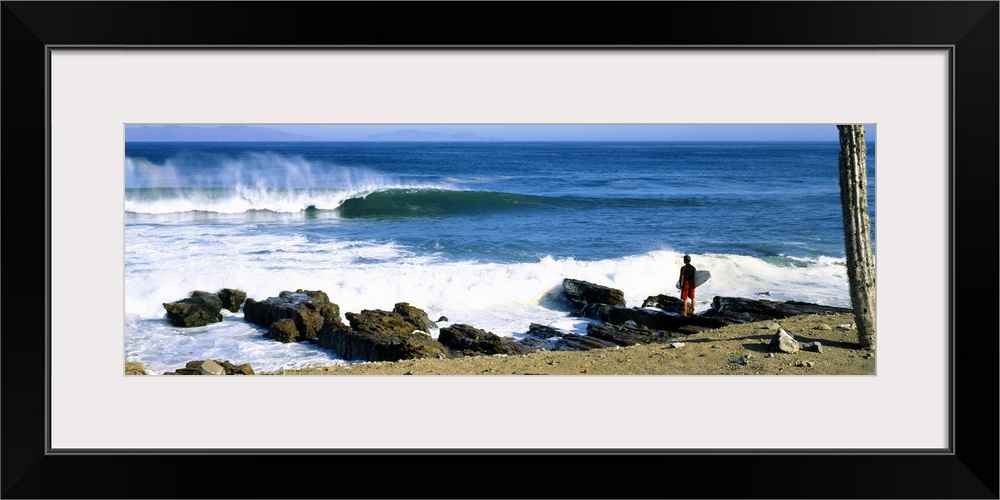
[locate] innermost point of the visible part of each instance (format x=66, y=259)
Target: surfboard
x=700, y=277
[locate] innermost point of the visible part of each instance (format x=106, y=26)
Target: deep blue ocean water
x=480, y=232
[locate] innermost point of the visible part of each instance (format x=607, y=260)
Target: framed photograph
x=79, y=100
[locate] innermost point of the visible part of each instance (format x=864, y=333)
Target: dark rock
x=376, y=335
x=656, y=320
x=184, y=371
x=232, y=369
x=232, y=299
x=541, y=337
x=574, y=342
x=310, y=310
x=544, y=332
x=415, y=316
x=665, y=302
x=443, y=319
x=621, y=335
x=200, y=309
x=283, y=330
x=600, y=312
x=381, y=322
x=598, y=337
x=761, y=310
x=471, y=341
x=580, y=293
x=553, y=339
x=730, y=316
x=659, y=320
x=693, y=329
x=532, y=343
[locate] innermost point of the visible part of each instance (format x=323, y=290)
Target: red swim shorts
x=687, y=290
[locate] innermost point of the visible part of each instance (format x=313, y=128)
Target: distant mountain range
x=204, y=133
x=419, y=135
x=227, y=133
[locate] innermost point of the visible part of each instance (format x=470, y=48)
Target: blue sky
x=550, y=132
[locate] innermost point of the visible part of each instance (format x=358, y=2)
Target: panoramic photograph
x=499, y=249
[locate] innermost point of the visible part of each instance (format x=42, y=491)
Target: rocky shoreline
x=398, y=342
x=739, y=349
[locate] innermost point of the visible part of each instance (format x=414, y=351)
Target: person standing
x=687, y=285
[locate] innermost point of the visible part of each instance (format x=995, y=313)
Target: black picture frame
x=970, y=29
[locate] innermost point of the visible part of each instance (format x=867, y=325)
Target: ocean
x=482, y=233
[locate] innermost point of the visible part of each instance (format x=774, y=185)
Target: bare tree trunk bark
x=857, y=230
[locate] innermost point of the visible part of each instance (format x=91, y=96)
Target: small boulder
x=813, y=346
x=581, y=293
x=232, y=299
x=209, y=367
x=543, y=331
x=200, y=309
x=231, y=369
x=742, y=360
x=784, y=342
x=664, y=302
x=469, y=340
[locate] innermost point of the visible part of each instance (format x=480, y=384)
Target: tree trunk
x=857, y=230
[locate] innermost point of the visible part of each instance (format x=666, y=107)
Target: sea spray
x=258, y=181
